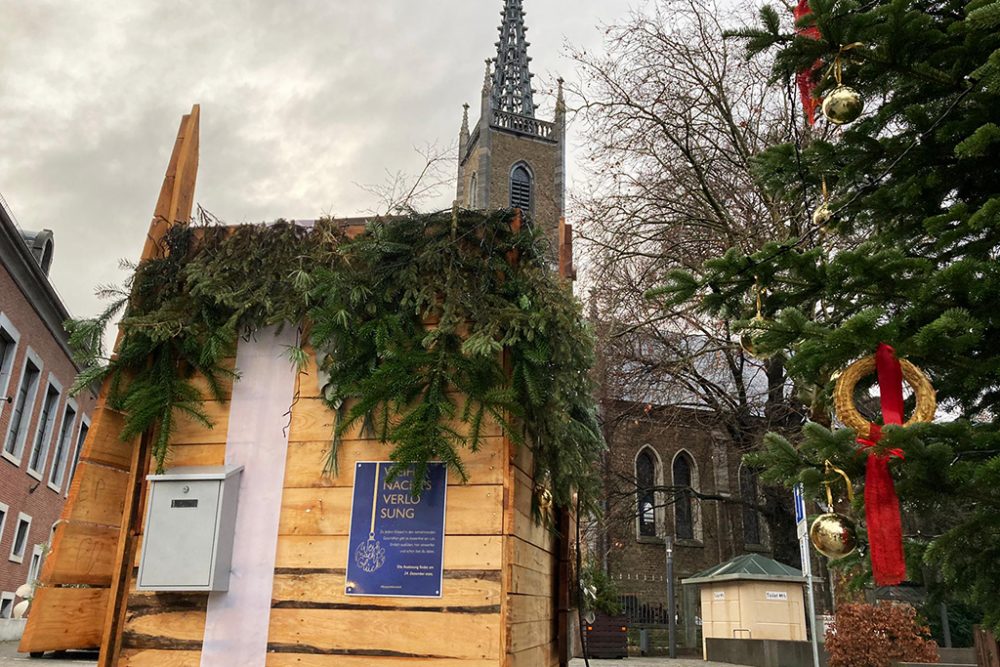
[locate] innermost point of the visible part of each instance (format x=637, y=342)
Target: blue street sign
x=800, y=503
x=396, y=546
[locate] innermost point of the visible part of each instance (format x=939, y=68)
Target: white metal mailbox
x=190, y=520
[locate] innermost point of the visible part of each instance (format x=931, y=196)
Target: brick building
x=655, y=453
x=41, y=425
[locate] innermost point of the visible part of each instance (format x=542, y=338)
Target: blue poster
x=396, y=547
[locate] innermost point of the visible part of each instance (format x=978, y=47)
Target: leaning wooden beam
x=87, y=546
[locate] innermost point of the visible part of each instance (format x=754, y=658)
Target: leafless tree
x=674, y=118
x=403, y=191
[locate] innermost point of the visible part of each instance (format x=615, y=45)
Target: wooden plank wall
x=531, y=569
x=313, y=623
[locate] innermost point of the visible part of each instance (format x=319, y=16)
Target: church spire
x=511, y=89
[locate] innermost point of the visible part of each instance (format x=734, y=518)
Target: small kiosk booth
x=245, y=553
x=751, y=597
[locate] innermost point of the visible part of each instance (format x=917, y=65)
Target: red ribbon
x=885, y=525
x=806, y=78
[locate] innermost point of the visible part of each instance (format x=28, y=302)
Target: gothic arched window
x=474, y=192
x=683, y=510
x=748, y=493
x=520, y=188
x=645, y=481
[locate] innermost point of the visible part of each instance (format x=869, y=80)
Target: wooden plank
x=307, y=382
x=100, y=495
x=196, y=455
x=530, y=556
x=529, y=530
x=465, y=552
x=471, y=510
x=104, y=444
x=188, y=431
x=86, y=554
x=528, y=608
x=158, y=658
x=164, y=630
x=385, y=633
x=313, y=421
x=307, y=660
x=524, y=636
x=539, y=656
x=327, y=588
x=200, y=383
x=304, y=467
x=529, y=582
x=65, y=618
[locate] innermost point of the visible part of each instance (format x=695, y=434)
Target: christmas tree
x=895, y=239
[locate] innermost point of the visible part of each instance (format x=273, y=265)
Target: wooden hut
x=504, y=599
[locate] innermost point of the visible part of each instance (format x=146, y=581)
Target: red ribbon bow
x=885, y=525
x=806, y=78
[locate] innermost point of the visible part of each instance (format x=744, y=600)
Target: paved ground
x=9, y=657
x=648, y=662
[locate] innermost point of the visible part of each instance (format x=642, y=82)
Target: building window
x=80, y=439
x=24, y=403
x=63, y=447
x=683, y=502
x=6, y=605
x=20, y=538
x=645, y=481
x=749, y=495
x=43, y=434
x=474, y=192
x=4, y=510
x=8, y=350
x=520, y=188
x=36, y=565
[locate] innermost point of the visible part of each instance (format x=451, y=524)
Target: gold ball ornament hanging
x=843, y=105
x=544, y=498
x=834, y=535
x=821, y=215
x=757, y=326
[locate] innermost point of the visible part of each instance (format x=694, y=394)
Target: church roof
x=511, y=86
x=747, y=566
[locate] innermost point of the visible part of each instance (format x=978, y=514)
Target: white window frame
x=38, y=551
x=21, y=517
x=70, y=446
x=6, y=373
x=43, y=435
x=74, y=461
x=7, y=596
x=5, y=508
x=29, y=405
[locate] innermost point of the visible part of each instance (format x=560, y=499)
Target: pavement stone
x=9, y=657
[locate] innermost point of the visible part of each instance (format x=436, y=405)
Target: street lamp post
x=671, y=607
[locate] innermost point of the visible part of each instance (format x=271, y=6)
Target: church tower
x=511, y=159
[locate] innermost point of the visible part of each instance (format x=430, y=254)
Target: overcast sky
x=300, y=101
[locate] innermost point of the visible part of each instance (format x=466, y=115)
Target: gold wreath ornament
x=843, y=394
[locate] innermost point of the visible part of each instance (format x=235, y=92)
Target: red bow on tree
x=885, y=526
x=806, y=78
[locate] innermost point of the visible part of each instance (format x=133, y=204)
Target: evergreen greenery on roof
x=426, y=325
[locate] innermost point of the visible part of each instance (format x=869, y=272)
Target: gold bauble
x=544, y=497
x=756, y=327
x=843, y=105
x=834, y=536
x=822, y=215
